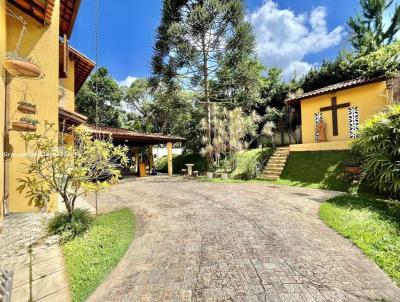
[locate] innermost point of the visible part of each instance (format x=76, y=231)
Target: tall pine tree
x=368, y=30
x=203, y=45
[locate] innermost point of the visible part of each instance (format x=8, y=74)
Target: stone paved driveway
x=235, y=242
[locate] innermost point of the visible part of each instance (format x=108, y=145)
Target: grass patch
x=179, y=162
x=373, y=224
x=319, y=170
x=250, y=163
x=91, y=257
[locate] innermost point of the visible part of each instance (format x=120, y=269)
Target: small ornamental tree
x=232, y=131
x=70, y=170
x=379, y=145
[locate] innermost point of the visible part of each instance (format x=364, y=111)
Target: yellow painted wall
x=68, y=100
x=42, y=44
x=2, y=97
x=369, y=99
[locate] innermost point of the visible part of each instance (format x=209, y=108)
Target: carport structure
x=135, y=140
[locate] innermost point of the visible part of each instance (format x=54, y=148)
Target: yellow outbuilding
x=331, y=116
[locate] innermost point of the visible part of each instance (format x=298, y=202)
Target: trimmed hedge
x=179, y=162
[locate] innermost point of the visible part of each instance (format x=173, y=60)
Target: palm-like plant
x=379, y=144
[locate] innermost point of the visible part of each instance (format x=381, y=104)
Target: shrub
x=70, y=227
x=378, y=143
x=179, y=161
x=250, y=163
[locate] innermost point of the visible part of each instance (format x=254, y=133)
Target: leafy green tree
x=70, y=171
x=383, y=62
x=101, y=91
x=232, y=130
x=138, y=96
x=198, y=40
x=368, y=31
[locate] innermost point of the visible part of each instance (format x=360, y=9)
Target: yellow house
x=331, y=116
x=39, y=30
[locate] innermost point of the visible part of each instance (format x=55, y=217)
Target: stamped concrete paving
x=235, y=242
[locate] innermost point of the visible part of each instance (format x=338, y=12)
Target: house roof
x=74, y=118
x=83, y=67
x=41, y=10
x=335, y=87
x=68, y=12
x=135, y=138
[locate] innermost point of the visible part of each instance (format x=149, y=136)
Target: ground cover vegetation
x=370, y=222
x=91, y=257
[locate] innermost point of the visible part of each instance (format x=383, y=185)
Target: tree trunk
x=68, y=206
x=207, y=98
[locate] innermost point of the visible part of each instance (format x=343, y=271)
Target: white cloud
x=127, y=82
x=284, y=38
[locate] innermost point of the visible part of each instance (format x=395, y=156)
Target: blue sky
x=294, y=35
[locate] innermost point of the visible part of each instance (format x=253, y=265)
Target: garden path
x=200, y=241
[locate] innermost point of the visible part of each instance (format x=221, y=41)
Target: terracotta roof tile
x=126, y=134
x=335, y=87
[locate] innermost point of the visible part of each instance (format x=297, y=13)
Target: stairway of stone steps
x=276, y=164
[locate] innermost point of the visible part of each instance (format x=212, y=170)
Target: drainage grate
x=6, y=279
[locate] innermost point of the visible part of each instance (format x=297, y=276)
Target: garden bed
x=371, y=223
x=91, y=257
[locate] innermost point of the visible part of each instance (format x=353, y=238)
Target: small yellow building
x=331, y=116
x=39, y=30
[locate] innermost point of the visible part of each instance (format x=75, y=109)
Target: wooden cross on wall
x=334, y=107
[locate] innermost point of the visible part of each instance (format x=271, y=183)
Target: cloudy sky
x=294, y=35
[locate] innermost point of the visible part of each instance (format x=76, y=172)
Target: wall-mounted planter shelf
x=22, y=126
x=22, y=69
x=27, y=109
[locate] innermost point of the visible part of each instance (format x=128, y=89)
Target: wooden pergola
x=135, y=140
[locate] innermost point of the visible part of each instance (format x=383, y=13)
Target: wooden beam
x=150, y=157
x=169, y=149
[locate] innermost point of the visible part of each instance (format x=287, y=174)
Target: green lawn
x=320, y=170
x=90, y=258
x=373, y=224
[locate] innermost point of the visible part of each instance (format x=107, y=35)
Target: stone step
x=272, y=178
x=272, y=173
x=277, y=169
x=275, y=164
x=277, y=160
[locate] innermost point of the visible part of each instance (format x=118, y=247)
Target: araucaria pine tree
x=368, y=30
x=197, y=42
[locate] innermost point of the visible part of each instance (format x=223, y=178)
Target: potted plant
x=226, y=167
x=26, y=107
x=353, y=166
x=21, y=67
x=25, y=124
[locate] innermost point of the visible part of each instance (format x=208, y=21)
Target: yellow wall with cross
x=369, y=99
